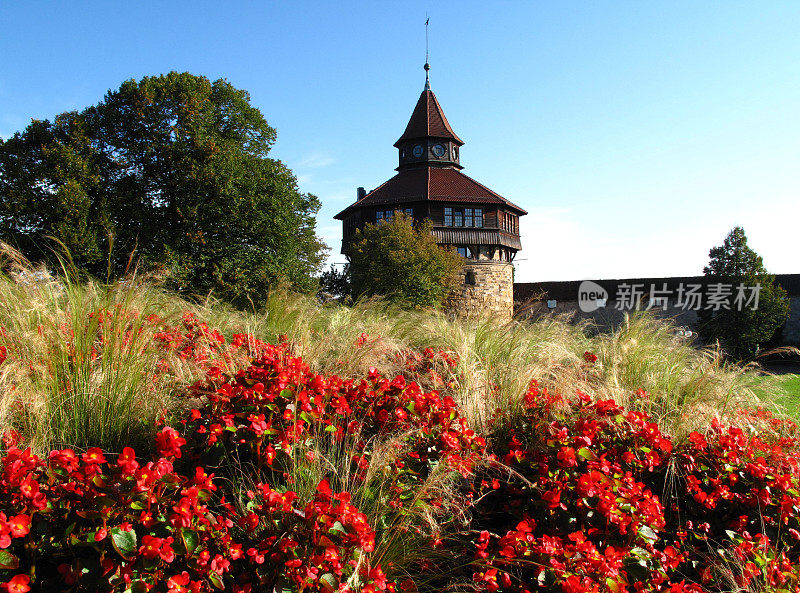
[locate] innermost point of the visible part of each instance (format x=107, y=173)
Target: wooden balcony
x=476, y=236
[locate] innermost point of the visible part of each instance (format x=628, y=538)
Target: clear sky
x=636, y=134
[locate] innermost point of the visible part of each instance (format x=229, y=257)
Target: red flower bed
x=572, y=495
x=602, y=501
x=102, y=522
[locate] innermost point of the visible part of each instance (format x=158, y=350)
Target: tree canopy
x=173, y=169
x=402, y=262
x=762, y=306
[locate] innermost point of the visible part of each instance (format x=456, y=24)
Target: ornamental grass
x=93, y=364
x=154, y=443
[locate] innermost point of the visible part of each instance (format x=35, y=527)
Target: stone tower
x=482, y=225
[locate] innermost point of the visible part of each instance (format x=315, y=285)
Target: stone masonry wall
x=533, y=300
x=791, y=331
x=610, y=316
x=486, y=287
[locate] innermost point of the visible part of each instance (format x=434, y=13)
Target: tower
x=482, y=225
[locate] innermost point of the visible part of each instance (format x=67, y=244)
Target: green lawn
x=783, y=390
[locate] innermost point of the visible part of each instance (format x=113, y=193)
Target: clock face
x=417, y=150
x=438, y=150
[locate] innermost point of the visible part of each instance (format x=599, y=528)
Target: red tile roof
x=428, y=120
x=435, y=184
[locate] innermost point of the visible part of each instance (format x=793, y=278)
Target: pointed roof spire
x=427, y=62
x=428, y=121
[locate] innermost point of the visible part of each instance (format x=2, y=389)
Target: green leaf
x=137, y=587
x=69, y=529
x=338, y=527
x=124, y=542
x=329, y=582
x=641, y=553
x=190, y=539
x=216, y=580
x=733, y=535
x=648, y=534
x=587, y=454
x=8, y=561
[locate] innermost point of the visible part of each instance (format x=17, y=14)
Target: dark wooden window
x=387, y=215
x=463, y=217
x=509, y=223
x=465, y=252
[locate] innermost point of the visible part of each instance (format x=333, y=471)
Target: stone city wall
x=791, y=331
x=532, y=299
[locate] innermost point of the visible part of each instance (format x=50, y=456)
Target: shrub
x=401, y=262
x=271, y=476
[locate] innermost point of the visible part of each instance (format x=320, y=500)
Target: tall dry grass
x=73, y=379
x=81, y=369
x=685, y=386
x=84, y=369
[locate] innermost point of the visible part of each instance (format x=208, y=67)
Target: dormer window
x=463, y=217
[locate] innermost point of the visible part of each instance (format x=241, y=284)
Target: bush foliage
x=151, y=448
x=401, y=262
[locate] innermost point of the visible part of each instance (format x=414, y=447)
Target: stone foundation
x=485, y=288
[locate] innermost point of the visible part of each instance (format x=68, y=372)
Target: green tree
x=745, y=326
x=173, y=169
x=335, y=283
x=402, y=262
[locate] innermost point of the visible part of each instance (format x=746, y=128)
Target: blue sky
x=636, y=134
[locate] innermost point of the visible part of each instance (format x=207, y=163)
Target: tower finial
x=427, y=65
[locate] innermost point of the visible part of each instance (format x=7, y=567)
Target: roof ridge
x=429, y=96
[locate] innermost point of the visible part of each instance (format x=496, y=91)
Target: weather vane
x=427, y=65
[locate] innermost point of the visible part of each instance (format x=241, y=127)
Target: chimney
x=360, y=193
